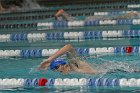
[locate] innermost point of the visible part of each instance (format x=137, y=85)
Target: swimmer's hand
x=44, y=65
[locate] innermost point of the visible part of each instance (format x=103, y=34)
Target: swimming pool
x=111, y=46
x=104, y=50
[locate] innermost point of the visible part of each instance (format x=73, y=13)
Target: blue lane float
x=30, y=53
x=50, y=82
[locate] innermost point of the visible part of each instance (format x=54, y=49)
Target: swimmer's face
x=63, y=69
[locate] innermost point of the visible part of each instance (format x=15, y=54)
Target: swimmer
x=61, y=15
x=73, y=64
x=76, y=65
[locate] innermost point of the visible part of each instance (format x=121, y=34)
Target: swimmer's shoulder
x=75, y=63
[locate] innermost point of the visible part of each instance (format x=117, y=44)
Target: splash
x=106, y=67
x=34, y=70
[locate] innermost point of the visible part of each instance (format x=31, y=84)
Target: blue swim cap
x=56, y=63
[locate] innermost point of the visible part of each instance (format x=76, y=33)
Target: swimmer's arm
x=59, y=13
x=63, y=50
x=44, y=65
x=1, y=7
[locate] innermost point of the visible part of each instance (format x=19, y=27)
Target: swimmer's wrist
x=49, y=59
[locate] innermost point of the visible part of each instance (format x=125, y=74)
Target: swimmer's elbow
x=69, y=46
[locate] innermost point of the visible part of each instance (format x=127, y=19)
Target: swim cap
x=56, y=63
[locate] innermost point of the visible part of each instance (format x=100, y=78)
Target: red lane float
x=129, y=49
x=42, y=81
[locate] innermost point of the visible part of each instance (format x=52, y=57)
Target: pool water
x=27, y=68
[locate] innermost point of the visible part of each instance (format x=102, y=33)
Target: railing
x=84, y=7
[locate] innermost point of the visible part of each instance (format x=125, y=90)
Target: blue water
x=27, y=68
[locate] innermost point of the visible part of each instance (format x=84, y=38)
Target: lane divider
x=82, y=23
x=71, y=24
x=133, y=6
x=27, y=53
x=113, y=13
x=32, y=37
x=90, y=82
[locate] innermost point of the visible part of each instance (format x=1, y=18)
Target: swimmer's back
x=81, y=66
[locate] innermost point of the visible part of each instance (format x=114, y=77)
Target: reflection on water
x=74, y=89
